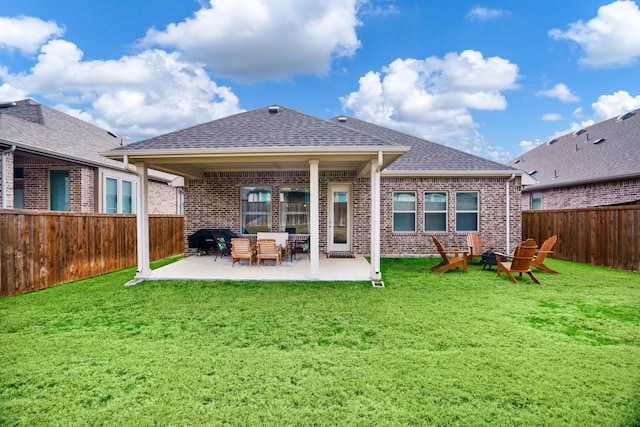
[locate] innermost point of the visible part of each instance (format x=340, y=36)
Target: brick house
x=51, y=161
x=595, y=166
x=350, y=185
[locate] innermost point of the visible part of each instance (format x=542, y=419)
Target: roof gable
x=604, y=151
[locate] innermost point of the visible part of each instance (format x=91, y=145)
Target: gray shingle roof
x=39, y=129
x=424, y=155
x=49, y=131
x=261, y=128
x=575, y=158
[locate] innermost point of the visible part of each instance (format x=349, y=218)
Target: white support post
x=314, y=220
x=142, y=217
x=375, y=218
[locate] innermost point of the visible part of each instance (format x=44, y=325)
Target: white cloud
x=551, y=117
x=608, y=106
x=528, y=145
x=483, y=13
x=561, y=92
x=255, y=40
x=136, y=96
x=26, y=33
x=612, y=38
x=432, y=98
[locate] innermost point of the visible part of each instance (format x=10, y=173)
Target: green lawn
x=455, y=349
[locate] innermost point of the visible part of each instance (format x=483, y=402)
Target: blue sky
x=493, y=78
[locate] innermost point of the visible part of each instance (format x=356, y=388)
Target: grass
x=454, y=349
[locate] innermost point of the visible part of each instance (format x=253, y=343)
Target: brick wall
x=587, y=195
x=163, y=198
x=492, y=209
x=214, y=202
x=8, y=157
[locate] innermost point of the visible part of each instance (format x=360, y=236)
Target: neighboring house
x=595, y=166
x=51, y=161
x=352, y=186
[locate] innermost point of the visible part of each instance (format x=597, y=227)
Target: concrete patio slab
x=208, y=268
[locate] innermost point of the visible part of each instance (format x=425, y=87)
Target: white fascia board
x=252, y=151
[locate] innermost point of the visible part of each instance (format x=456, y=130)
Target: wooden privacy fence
x=608, y=236
x=42, y=249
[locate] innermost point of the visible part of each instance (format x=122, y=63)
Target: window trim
x=120, y=180
x=67, y=189
x=476, y=211
x=284, y=213
x=533, y=198
x=394, y=211
x=445, y=211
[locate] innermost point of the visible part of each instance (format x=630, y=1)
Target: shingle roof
x=43, y=130
x=601, y=152
x=424, y=155
x=47, y=130
x=261, y=128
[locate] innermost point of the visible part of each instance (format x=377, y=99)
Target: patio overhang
x=194, y=163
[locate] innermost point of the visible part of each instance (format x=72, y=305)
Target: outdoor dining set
x=525, y=256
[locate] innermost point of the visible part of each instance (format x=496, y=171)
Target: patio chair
x=268, y=249
x=300, y=246
x=474, y=242
x=222, y=244
x=521, y=261
x=541, y=255
x=242, y=248
x=447, y=262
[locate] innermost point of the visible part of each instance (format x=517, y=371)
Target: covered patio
x=209, y=268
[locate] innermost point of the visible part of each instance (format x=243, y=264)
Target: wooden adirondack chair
x=448, y=263
x=522, y=257
x=474, y=242
x=268, y=249
x=242, y=248
x=541, y=255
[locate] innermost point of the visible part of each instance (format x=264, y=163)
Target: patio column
x=142, y=221
x=375, y=218
x=314, y=220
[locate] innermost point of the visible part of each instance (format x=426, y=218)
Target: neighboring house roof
x=424, y=156
x=38, y=129
x=605, y=151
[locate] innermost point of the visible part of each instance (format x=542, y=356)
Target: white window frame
x=476, y=211
x=535, y=196
x=395, y=211
x=257, y=197
x=120, y=178
x=445, y=211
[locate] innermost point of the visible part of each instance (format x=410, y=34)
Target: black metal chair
x=300, y=246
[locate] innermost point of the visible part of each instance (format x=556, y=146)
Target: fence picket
x=43, y=249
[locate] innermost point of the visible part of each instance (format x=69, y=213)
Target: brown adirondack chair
x=522, y=257
x=242, y=248
x=541, y=255
x=474, y=242
x=268, y=249
x=447, y=262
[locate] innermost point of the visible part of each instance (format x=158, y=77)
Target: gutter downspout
x=513, y=177
x=3, y=190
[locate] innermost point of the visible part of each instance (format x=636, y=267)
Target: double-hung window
x=118, y=195
x=404, y=211
x=256, y=209
x=467, y=211
x=435, y=211
x=294, y=209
